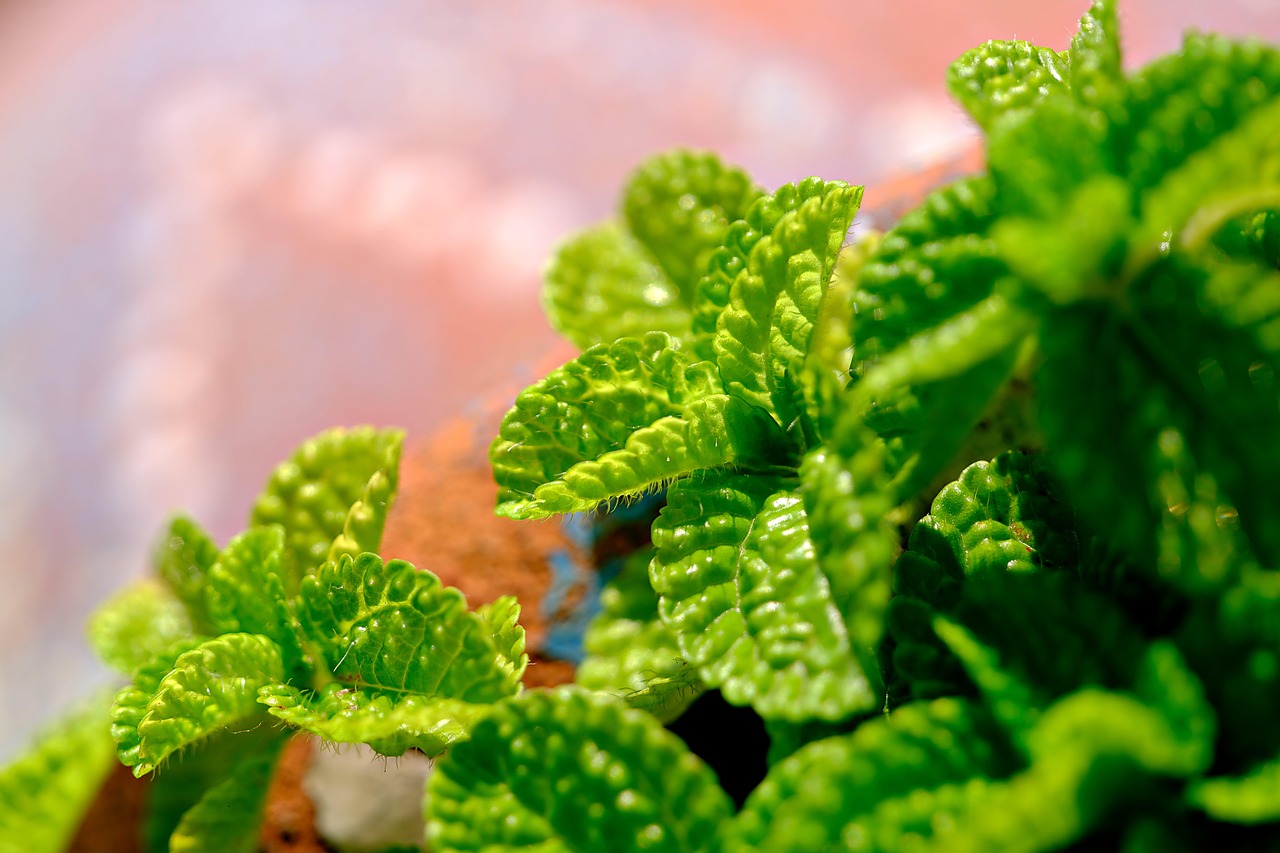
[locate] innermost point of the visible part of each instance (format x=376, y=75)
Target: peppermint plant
x=976, y=515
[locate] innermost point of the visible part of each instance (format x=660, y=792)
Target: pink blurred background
x=225, y=226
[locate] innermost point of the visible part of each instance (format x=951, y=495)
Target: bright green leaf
x=1094, y=57
x=210, y=688
x=752, y=610
x=331, y=497
x=245, y=591
x=1251, y=798
x=837, y=793
x=1000, y=76
x=394, y=629
x=602, y=284
x=182, y=558
x=566, y=770
x=136, y=624
x=388, y=722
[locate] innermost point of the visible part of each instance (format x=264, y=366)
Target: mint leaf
x=838, y=792
x=136, y=624
x=1001, y=76
x=631, y=652
x=46, y=790
x=1094, y=57
x=246, y=591
x=394, y=629
x=602, y=284
x=390, y=723
x=774, y=300
x=209, y=688
x=741, y=586
x=331, y=497
x=227, y=818
x=182, y=559
x=565, y=770
x=1250, y=799
x=680, y=204
x=590, y=407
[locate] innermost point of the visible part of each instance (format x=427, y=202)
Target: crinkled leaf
x=1251, y=798
x=388, y=722
x=246, y=591
x=1000, y=76
x=182, y=558
x=712, y=432
x=566, y=770
x=1194, y=96
x=227, y=818
x=391, y=628
x=331, y=497
x=502, y=618
x=210, y=688
x=774, y=299
x=680, y=204
x=862, y=790
x=1094, y=57
x=136, y=624
x=631, y=652
x=46, y=790
x=590, y=407
x=602, y=284
x=740, y=584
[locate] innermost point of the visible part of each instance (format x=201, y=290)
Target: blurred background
x=227, y=225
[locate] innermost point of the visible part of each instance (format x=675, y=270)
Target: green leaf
x=210, y=688
x=740, y=584
x=1195, y=96
x=631, y=652
x=136, y=624
x=246, y=591
x=331, y=497
x=189, y=775
x=774, y=300
x=565, y=770
x=396, y=630
x=714, y=431
x=1094, y=57
x=886, y=784
x=227, y=818
x=590, y=407
x=46, y=790
x=1251, y=798
x=502, y=618
x=182, y=558
x=603, y=284
x=389, y=723
x=1001, y=76
x=679, y=205
x=936, y=263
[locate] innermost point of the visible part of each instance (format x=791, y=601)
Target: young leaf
x=1001, y=76
x=211, y=687
x=603, y=284
x=394, y=629
x=774, y=300
x=336, y=486
x=590, y=407
x=136, y=624
x=502, y=618
x=1094, y=57
x=680, y=204
x=227, y=818
x=631, y=652
x=838, y=793
x=245, y=591
x=565, y=770
x=714, y=431
x=742, y=588
x=44, y=793
x=182, y=559
x=390, y=723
